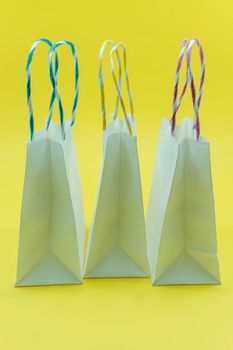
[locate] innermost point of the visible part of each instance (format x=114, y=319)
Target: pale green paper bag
x=182, y=247
x=117, y=238
x=52, y=228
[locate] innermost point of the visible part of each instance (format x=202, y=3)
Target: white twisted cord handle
x=101, y=81
x=118, y=87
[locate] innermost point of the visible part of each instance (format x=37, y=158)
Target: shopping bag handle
x=196, y=97
x=28, y=83
x=101, y=81
x=54, y=82
x=176, y=103
x=118, y=87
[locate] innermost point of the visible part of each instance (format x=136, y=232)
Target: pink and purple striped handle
x=196, y=98
x=176, y=104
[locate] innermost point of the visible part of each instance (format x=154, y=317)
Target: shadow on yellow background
x=115, y=313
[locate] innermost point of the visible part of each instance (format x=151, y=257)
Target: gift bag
x=51, y=242
x=117, y=239
x=180, y=221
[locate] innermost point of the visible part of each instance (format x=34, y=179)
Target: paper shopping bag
x=180, y=222
x=117, y=240
x=51, y=242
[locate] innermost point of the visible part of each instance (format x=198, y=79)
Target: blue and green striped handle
x=28, y=84
x=54, y=81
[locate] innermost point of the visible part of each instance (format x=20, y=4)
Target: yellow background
x=115, y=313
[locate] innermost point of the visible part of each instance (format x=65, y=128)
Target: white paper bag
x=180, y=222
x=117, y=238
x=52, y=229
